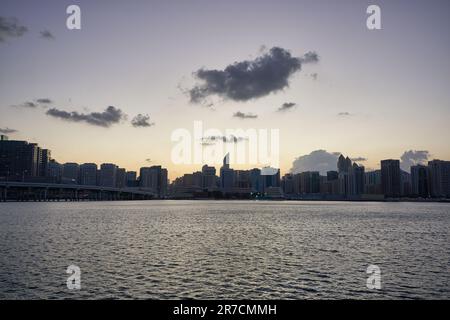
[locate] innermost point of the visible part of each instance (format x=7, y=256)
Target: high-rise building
x=439, y=178
x=419, y=181
x=131, y=179
x=54, y=170
x=155, y=179
x=226, y=175
x=344, y=164
x=373, y=182
x=121, y=178
x=88, y=174
x=108, y=173
x=45, y=157
x=18, y=159
x=71, y=172
x=209, y=177
x=356, y=179
x=255, y=180
x=270, y=177
x=3, y=137
x=287, y=184
x=390, y=178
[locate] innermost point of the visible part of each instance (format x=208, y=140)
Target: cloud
x=314, y=76
x=412, y=158
x=110, y=116
x=44, y=101
x=286, y=106
x=211, y=140
x=27, y=104
x=359, y=159
x=250, y=79
x=344, y=114
x=11, y=28
x=7, y=130
x=47, y=35
x=142, y=121
x=245, y=115
x=318, y=160
x=148, y=160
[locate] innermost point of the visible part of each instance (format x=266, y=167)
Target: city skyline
x=34, y=166
x=365, y=93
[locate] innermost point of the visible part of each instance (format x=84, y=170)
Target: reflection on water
x=224, y=249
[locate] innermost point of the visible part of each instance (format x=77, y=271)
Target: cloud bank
x=250, y=79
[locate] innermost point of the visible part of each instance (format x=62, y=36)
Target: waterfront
x=224, y=249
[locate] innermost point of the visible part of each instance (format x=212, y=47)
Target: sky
x=136, y=71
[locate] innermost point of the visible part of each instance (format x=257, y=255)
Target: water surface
x=224, y=249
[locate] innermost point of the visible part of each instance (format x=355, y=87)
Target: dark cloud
x=250, y=79
x=11, y=28
x=142, y=121
x=314, y=76
x=344, y=114
x=242, y=115
x=318, y=160
x=7, y=130
x=47, y=35
x=105, y=119
x=412, y=158
x=148, y=160
x=286, y=106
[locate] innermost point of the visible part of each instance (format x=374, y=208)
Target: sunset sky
x=370, y=94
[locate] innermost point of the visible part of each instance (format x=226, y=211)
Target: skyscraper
x=226, y=175
x=390, y=178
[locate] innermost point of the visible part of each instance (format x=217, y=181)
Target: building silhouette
x=390, y=178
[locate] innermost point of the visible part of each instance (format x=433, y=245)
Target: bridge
x=30, y=191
